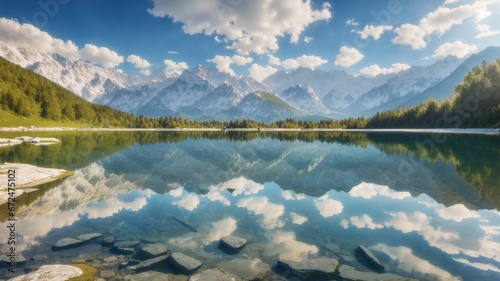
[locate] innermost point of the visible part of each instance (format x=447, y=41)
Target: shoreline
x=489, y=131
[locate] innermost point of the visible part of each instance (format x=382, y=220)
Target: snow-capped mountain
x=264, y=106
x=84, y=79
x=303, y=98
x=206, y=93
x=335, y=88
x=407, y=83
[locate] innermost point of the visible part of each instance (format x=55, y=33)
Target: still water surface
x=427, y=205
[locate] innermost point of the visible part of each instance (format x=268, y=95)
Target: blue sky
x=256, y=37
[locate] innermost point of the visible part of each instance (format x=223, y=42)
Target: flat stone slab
x=67, y=243
x=148, y=263
x=349, y=273
x=248, y=269
x=234, y=243
x=372, y=260
x=88, y=237
x=311, y=267
x=4, y=259
x=214, y=274
x=52, y=272
x=153, y=250
x=123, y=250
x=185, y=263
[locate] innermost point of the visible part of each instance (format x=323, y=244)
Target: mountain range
x=206, y=94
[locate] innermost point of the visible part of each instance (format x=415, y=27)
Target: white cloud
x=241, y=185
x=351, y=22
x=174, y=68
x=285, y=245
x=27, y=35
x=249, y=26
x=260, y=73
x=328, y=207
x=409, y=34
x=138, y=62
x=374, y=70
x=100, y=55
x=176, y=192
x=457, y=49
x=220, y=228
x=485, y=31
x=365, y=221
x=223, y=63
x=172, y=52
x=440, y=21
x=308, y=39
x=145, y=72
x=216, y=195
x=348, y=56
x=456, y=212
x=188, y=202
x=273, y=60
x=304, y=61
x=374, y=31
x=298, y=219
x=446, y=2
x=261, y=206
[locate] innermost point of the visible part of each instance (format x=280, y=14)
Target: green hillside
x=27, y=98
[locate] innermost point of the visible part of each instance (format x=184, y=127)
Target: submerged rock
x=108, y=240
x=247, y=269
x=4, y=259
x=311, y=267
x=232, y=243
x=127, y=244
x=53, y=272
x=67, y=243
x=372, y=260
x=88, y=237
x=153, y=250
x=349, y=273
x=148, y=263
x=214, y=274
x=185, y=263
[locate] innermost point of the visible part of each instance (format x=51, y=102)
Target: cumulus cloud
x=27, y=35
x=273, y=60
x=374, y=31
x=441, y=20
x=298, y=219
x=188, y=202
x=174, y=68
x=100, y=55
x=456, y=212
x=223, y=63
x=248, y=26
x=138, y=62
x=308, y=39
x=260, y=73
x=145, y=72
x=375, y=70
x=485, y=31
x=271, y=212
x=365, y=221
x=328, y=207
x=304, y=61
x=348, y=56
x=457, y=49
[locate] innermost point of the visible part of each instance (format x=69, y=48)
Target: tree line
x=475, y=103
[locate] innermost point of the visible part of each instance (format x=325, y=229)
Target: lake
x=426, y=205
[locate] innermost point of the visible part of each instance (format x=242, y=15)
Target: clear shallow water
x=427, y=207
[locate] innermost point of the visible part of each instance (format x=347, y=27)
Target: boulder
x=185, y=263
x=88, y=237
x=147, y=264
x=311, y=267
x=67, y=243
x=233, y=243
x=214, y=274
x=370, y=258
x=153, y=250
x=52, y=272
x=349, y=273
x=247, y=269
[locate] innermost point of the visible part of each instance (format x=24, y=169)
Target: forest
x=475, y=104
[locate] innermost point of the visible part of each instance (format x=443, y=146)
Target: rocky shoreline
x=143, y=260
